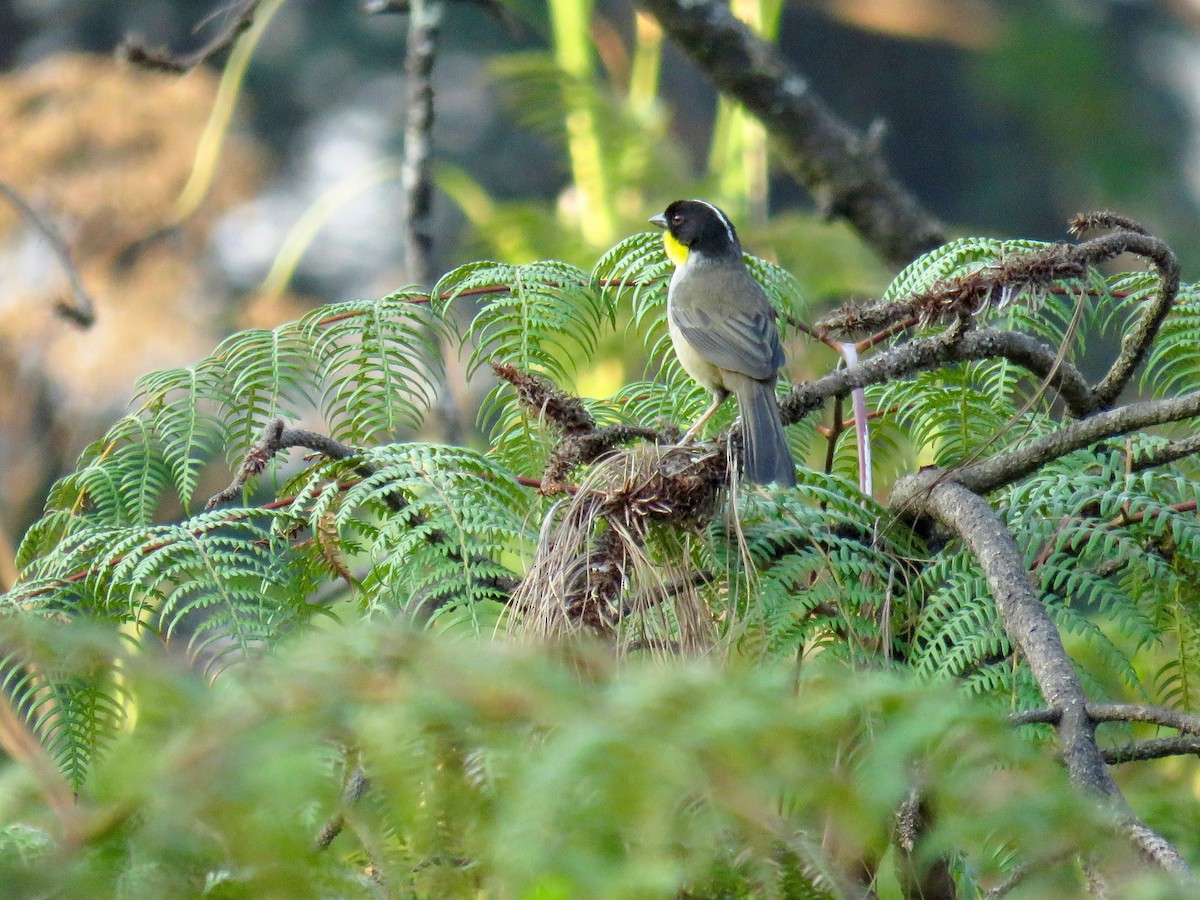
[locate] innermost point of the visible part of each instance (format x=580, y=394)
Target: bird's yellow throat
x=676, y=252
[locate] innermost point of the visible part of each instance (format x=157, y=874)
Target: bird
x=723, y=330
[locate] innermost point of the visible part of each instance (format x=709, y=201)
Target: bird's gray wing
x=732, y=325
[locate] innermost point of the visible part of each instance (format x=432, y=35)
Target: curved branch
x=841, y=168
x=924, y=354
x=1032, y=631
x=1131, y=238
x=1005, y=468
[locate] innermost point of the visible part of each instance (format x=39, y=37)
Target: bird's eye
x=677, y=219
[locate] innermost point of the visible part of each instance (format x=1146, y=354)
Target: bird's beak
x=660, y=220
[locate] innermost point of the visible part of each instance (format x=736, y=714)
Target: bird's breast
x=693, y=363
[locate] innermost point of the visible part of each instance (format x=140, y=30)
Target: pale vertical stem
x=570, y=21
x=424, y=18
x=862, y=433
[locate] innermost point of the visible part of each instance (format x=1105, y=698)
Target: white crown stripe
x=724, y=219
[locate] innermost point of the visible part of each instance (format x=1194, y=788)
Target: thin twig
x=161, y=59
x=83, y=311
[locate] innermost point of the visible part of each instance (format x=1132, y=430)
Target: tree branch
x=927, y=353
x=1154, y=748
x=83, y=312
x=1169, y=453
x=1118, y=712
x=160, y=59
x=1032, y=632
x=842, y=169
x=1132, y=238
x=1005, y=468
x=425, y=17
x=276, y=437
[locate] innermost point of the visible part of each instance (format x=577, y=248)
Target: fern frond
x=540, y=317
x=378, y=363
x=269, y=374
x=436, y=521
x=67, y=690
x=181, y=404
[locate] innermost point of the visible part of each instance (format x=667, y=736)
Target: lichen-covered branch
x=842, y=169
x=1031, y=630
x=989, y=474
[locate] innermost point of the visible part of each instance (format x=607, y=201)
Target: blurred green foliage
x=508, y=771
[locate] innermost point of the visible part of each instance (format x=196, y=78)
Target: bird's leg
x=718, y=399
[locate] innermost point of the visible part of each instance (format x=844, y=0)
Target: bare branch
x=924, y=354
x=1118, y=712
x=160, y=59
x=1005, y=468
x=1154, y=748
x=1032, y=632
x=844, y=170
x=83, y=312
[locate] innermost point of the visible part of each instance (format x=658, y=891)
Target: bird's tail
x=766, y=456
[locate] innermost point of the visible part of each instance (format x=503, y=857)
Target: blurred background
x=258, y=186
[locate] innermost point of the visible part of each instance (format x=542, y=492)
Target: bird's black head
x=697, y=226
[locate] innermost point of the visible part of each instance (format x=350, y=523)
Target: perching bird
x=724, y=332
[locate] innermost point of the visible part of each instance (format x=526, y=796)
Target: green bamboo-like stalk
x=208, y=150
x=642, y=102
x=738, y=157
x=570, y=20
